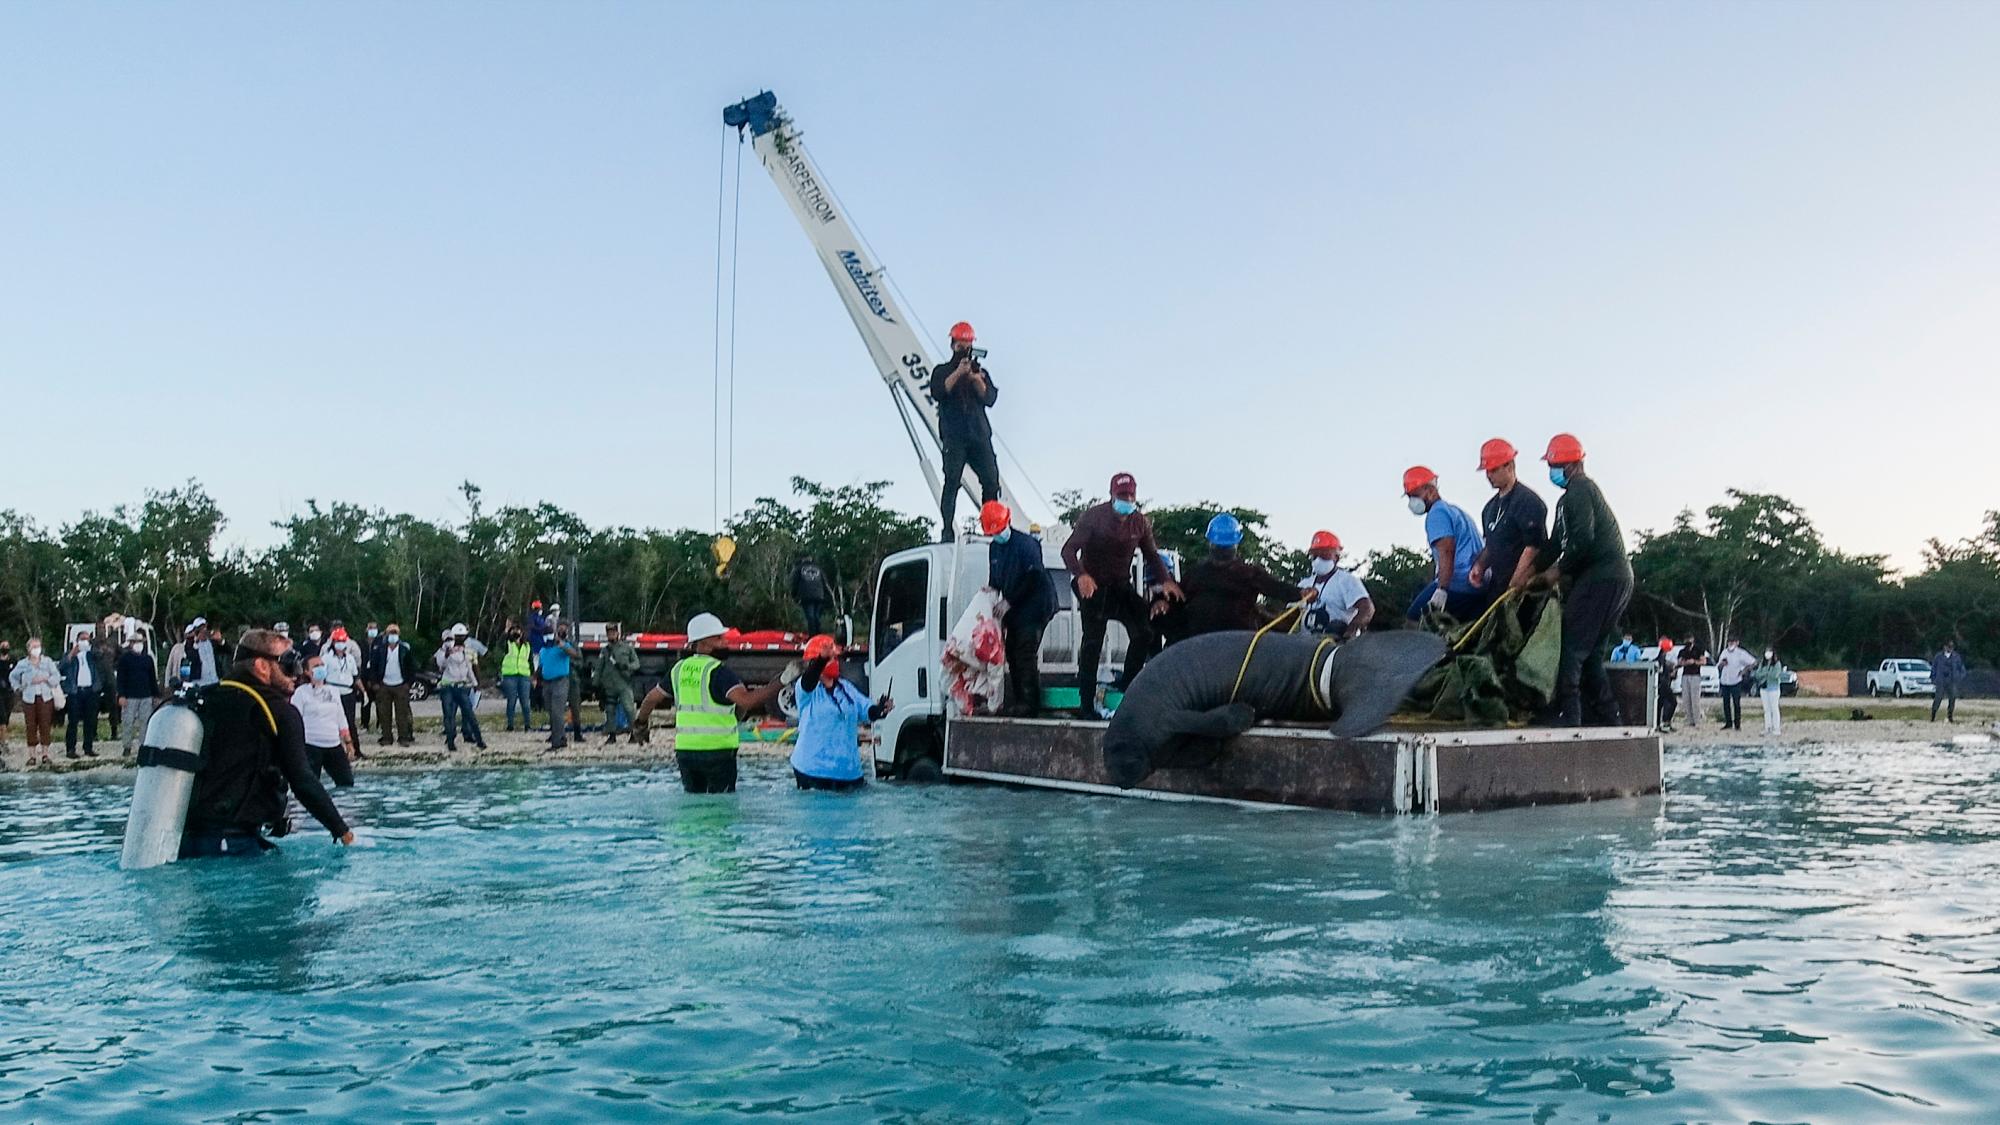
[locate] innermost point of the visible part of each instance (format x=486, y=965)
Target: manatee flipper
x=1372, y=675
x=1177, y=739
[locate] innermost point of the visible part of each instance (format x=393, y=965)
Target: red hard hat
x=1415, y=477
x=961, y=333
x=994, y=517
x=1666, y=643
x=822, y=647
x=1495, y=453
x=1564, y=449
x=1324, y=541
x=534, y=605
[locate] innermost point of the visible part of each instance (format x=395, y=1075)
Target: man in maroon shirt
x=1099, y=558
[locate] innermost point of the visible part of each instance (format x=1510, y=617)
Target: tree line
x=1752, y=565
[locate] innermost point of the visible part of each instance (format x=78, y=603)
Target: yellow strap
x=1252, y=650
x=1312, y=677
x=1466, y=637
x=259, y=697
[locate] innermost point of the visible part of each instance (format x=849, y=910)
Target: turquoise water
x=1792, y=935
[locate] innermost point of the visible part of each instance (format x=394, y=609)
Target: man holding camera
x=963, y=390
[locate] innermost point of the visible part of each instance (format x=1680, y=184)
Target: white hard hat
x=702, y=626
x=458, y=630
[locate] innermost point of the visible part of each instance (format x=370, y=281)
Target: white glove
x=1437, y=600
x=790, y=675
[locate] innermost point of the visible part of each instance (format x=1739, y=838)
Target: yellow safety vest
x=702, y=723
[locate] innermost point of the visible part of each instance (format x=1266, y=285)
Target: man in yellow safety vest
x=709, y=701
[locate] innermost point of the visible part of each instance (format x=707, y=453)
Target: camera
x=977, y=354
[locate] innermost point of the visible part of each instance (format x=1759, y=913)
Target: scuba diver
x=254, y=747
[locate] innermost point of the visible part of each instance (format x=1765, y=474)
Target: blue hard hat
x=1225, y=530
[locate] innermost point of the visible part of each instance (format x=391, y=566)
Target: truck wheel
x=924, y=770
x=921, y=753
x=1899, y=689
x=1874, y=692
x=788, y=702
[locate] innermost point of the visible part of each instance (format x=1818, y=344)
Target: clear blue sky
x=1263, y=254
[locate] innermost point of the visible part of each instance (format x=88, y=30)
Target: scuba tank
x=168, y=761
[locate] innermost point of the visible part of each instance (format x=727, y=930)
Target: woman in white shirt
x=329, y=740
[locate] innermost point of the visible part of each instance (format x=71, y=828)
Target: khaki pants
x=1691, y=699
x=392, y=704
x=136, y=714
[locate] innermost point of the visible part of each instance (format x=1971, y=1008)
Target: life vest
x=700, y=722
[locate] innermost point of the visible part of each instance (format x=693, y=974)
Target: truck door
x=903, y=646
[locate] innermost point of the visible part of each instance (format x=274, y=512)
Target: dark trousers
x=107, y=705
x=808, y=781
x=1024, y=665
x=367, y=704
x=1589, y=614
x=332, y=761
x=1669, y=702
x=83, y=707
x=960, y=453
x=347, y=700
x=814, y=611
x=707, y=771
x=560, y=695
x=1123, y=605
x=1732, y=706
x=1946, y=694
x=394, y=703
x=211, y=845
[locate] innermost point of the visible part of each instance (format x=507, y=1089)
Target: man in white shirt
x=392, y=664
x=1337, y=604
x=329, y=738
x=1732, y=667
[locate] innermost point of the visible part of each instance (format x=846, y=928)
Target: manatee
x=1179, y=712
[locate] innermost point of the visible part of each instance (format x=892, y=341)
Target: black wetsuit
x=246, y=769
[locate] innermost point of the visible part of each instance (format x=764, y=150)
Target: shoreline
x=1808, y=722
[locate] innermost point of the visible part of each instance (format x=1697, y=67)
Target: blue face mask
x=1558, y=476
x=1124, y=507
x=1004, y=534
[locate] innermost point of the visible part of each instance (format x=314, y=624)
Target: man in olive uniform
x=617, y=662
x=1595, y=576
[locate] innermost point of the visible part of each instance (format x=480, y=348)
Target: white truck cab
x=1901, y=677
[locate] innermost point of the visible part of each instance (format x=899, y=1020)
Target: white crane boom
x=899, y=353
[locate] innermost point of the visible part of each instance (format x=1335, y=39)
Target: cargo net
x=1500, y=669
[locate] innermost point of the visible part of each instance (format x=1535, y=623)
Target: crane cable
x=722, y=462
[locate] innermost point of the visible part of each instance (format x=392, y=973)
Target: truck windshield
x=900, y=606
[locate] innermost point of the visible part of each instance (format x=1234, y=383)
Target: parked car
x=1901, y=677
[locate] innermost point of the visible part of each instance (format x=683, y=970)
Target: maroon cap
x=1123, y=486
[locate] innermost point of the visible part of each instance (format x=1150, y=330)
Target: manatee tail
x=1372, y=675
x=1194, y=740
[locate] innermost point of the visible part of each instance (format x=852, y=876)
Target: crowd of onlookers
x=363, y=680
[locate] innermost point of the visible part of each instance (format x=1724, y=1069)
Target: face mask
x=1324, y=567
x=1767, y=654
x=831, y=673
x=1417, y=507
x=1558, y=476
x=83, y=646
x=394, y=637
x=136, y=647
x=371, y=634
x=1124, y=507
x=35, y=650
x=319, y=674
x=514, y=636
x=1003, y=535
x=313, y=635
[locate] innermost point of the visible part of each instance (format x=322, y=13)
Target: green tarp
x=1498, y=670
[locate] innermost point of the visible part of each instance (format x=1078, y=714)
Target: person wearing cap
x=1455, y=545
x=709, y=701
x=612, y=671
x=538, y=627
x=1223, y=589
x=831, y=711
x=457, y=661
x=561, y=694
x=1014, y=568
x=1670, y=675
x=1591, y=568
x=1099, y=557
x=1514, y=524
x=342, y=658
x=963, y=391
x=1337, y=604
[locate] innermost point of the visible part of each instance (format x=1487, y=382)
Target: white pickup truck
x=1901, y=677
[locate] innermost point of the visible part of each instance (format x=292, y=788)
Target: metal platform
x=1416, y=772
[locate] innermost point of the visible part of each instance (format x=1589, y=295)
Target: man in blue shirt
x=1455, y=545
x=1015, y=569
x=560, y=692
